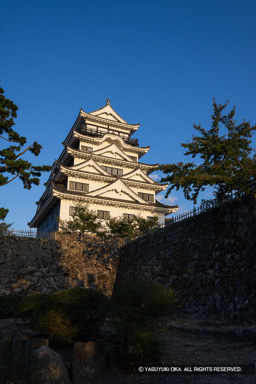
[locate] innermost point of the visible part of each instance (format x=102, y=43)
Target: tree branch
x=22, y=153
x=7, y=182
x=10, y=141
x=239, y=163
x=16, y=175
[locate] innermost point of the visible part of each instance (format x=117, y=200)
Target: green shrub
x=27, y=305
x=136, y=306
x=57, y=327
x=18, y=306
x=139, y=347
x=71, y=315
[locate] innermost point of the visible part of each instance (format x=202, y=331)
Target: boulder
x=88, y=362
x=48, y=367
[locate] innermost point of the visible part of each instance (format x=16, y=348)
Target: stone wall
x=31, y=266
x=208, y=259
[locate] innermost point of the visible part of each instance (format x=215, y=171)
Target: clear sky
x=159, y=62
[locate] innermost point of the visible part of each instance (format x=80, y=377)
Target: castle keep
x=100, y=167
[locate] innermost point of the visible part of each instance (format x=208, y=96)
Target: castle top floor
x=101, y=122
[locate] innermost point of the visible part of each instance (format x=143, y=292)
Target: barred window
x=146, y=196
x=105, y=215
x=86, y=149
x=79, y=186
x=128, y=217
x=134, y=158
x=113, y=171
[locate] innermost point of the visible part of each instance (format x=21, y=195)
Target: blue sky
x=159, y=62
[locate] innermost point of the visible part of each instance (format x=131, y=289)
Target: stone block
x=38, y=342
x=48, y=367
x=88, y=362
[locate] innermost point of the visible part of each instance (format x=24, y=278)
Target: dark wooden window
x=81, y=187
x=128, y=217
x=71, y=211
x=86, y=149
x=105, y=215
x=113, y=171
x=134, y=158
x=146, y=196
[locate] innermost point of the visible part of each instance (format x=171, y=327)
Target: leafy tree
x=12, y=166
x=143, y=225
x=228, y=161
x=3, y=213
x=137, y=226
x=118, y=227
x=83, y=220
x=4, y=227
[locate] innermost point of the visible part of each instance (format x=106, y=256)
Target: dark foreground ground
x=199, y=343
x=187, y=342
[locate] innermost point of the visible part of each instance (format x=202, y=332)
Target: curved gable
x=113, y=151
x=117, y=190
x=89, y=166
x=138, y=175
x=107, y=112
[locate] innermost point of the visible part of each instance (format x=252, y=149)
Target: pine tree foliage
x=82, y=220
x=12, y=165
x=227, y=161
x=118, y=227
x=4, y=227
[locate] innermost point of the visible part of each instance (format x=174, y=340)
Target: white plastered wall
x=114, y=211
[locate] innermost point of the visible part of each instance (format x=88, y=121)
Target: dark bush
x=141, y=346
x=18, y=306
x=27, y=305
x=140, y=301
x=136, y=306
x=71, y=315
x=8, y=305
